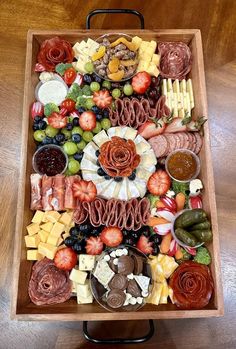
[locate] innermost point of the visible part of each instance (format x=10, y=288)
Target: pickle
x=201, y=226
x=186, y=237
x=190, y=217
x=202, y=235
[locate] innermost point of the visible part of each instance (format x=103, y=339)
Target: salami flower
x=192, y=285
x=118, y=157
x=54, y=51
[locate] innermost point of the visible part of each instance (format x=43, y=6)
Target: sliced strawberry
x=87, y=120
x=111, y=236
x=150, y=129
x=94, y=245
x=57, y=120
x=141, y=82
x=37, y=109
x=84, y=190
x=144, y=245
x=169, y=203
x=159, y=183
x=176, y=126
x=65, y=259
x=102, y=99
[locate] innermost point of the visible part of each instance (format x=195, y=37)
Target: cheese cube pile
x=44, y=233
x=79, y=277
x=83, y=51
x=162, y=267
x=148, y=60
x=179, y=96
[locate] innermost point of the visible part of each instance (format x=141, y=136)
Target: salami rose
x=118, y=157
x=192, y=285
x=54, y=51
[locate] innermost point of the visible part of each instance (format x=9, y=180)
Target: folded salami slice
x=80, y=215
x=36, y=197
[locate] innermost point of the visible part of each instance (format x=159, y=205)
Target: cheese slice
x=132, y=190
x=130, y=133
x=148, y=159
x=109, y=190
x=90, y=149
x=142, y=147
x=143, y=173
x=164, y=293
x=155, y=296
x=87, y=164
x=100, y=138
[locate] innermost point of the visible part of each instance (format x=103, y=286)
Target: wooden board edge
x=210, y=176
x=21, y=183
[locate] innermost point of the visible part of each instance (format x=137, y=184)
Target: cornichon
x=190, y=217
x=186, y=237
x=201, y=226
x=202, y=235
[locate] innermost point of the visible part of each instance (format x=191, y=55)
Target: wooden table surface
x=217, y=21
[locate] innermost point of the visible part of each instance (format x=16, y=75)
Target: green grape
x=86, y=91
x=87, y=136
x=51, y=131
x=105, y=123
x=66, y=133
x=89, y=67
x=94, y=86
x=98, y=127
x=80, y=102
x=70, y=148
x=77, y=129
x=89, y=103
x=128, y=90
x=73, y=166
x=81, y=145
x=106, y=84
x=39, y=135
x=116, y=93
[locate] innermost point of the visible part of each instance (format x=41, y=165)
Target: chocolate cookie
x=138, y=264
x=125, y=265
x=112, y=265
x=119, y=281
x=116, y=298
x=133, y=288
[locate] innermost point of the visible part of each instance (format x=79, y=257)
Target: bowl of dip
x=182, y=165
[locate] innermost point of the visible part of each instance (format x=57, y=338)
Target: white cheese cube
x=83, y=290
x=86, y=262
x=83, y=300
x=78, y=276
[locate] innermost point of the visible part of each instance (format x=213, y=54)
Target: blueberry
x=135, y=235
x=95, y=109
x=85, y=228
x=100, y=172
x=78, y=247
x=118, y=179
x=87, y=78
x=47, y=140
x=74, y=231
x=37, y=118
x=42, y=125
x=129, y=241
x=75, y=122
x=156, y=250
x=155, y=238
x=69, y=126
x=81, y=109
x=146, y=233
x=60, y=137
x=96, y=78
x=97, y=153
x=54, y=141
x=78, y=156
x=106, y=113
x=107, y=177
x=99, y=117
x=98, y=163
x=95, y=232
x=35, y=126
x=76, y=137
x=132, y=176
x=125, y=233
x=69, y=241
x=115, y=85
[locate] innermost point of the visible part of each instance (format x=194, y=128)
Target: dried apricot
x=131, y=46
x=128, y=62
x=114, y=65
x=116, y=76
x=99, y=54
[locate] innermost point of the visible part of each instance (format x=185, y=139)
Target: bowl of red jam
x=182, y=165
x=50, y=160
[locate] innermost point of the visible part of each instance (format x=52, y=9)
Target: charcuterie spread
x=116, y=195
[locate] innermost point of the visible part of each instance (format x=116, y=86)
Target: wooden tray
x=22, y=307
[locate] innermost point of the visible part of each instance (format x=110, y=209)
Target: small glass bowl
x=51, y=146
x=196, y=158
x=181, y=243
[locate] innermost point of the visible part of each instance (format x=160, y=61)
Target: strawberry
x=57, y=120
x=84, y=190
x=94, y=245
x=141, y=82
x=159, y=183
x=37, y=109
x=176, y=126
x=150, y=129
x=144, y=245
x=65, y=259
x=111, y=236
x=102, y=99
x=87, y=120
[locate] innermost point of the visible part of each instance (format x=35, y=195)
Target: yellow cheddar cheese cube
x=53, y=216
x=169, y=265
x=156, y=59
x=47, y=250
x=52, y=240
x=65, y=218
x=47, y=226
x=43, y=235
x=78, y=276
x=164, y=293
x=58, y=229
x=33, y=255
x=32, y=241
x=38, y=217
x=33, y=228
x=155, y=296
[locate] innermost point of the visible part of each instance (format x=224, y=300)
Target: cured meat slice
x=47, y=184
x=36, y=184
x=80, y=215
x=58, y=192
x=159, y=145
x=198, y=142
x=144, y=210
x=48, y=284
x=70, y=201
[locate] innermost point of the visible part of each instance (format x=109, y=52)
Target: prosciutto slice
x=36, y=184
x=58, y=192
x=47, y=184
x=70, y=200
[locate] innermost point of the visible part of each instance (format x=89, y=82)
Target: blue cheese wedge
x=86, y=262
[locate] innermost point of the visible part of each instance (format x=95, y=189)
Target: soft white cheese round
x=52, y=91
